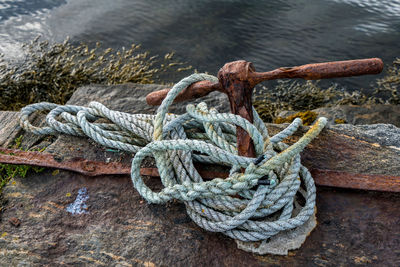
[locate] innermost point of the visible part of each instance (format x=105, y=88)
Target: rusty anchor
x=237, y=79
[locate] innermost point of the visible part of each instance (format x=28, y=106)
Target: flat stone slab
x=366, y=114
x=357, y=115
x=10, y=127
x=132, y=98
x=74, y=220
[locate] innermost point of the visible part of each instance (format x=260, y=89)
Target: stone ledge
x=120, y=229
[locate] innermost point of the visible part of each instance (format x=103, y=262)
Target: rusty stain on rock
x=327, y=143
x=14, y=221
x=88, y=166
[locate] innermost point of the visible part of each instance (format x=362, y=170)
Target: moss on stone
x=10, y=171
x=308, y=117
x=340, y=121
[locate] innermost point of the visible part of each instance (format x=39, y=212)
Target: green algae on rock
x=308, y=117
x=10, y=171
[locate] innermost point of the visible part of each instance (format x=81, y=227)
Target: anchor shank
x=233, y=77
x=195, y=90
x=317, y=71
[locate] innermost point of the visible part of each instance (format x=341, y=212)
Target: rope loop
x=249, y=206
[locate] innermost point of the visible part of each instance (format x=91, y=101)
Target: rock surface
x=116, y=227
x=358, y=115
x=132, y=98
x=10, y=128
x=382, y=134
x=350, y=156
x=283, y=242
x=366, y=114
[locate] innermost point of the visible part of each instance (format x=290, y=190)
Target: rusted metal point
x=237, y=79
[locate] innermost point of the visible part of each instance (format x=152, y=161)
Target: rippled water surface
x=207, y=34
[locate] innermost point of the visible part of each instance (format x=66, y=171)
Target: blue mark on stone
x=79, y=206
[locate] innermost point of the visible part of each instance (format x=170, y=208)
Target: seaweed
x=309, y=95
x=308, y=117
x=301, y=96
x=52, y=72
x=389, y=86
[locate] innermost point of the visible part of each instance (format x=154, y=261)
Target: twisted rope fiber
x=267, y=189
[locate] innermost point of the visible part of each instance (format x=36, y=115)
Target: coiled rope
x=249, y=206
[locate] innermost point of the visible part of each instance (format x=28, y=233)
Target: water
x=207, y=34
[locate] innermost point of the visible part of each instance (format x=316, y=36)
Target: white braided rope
x=249, y=206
